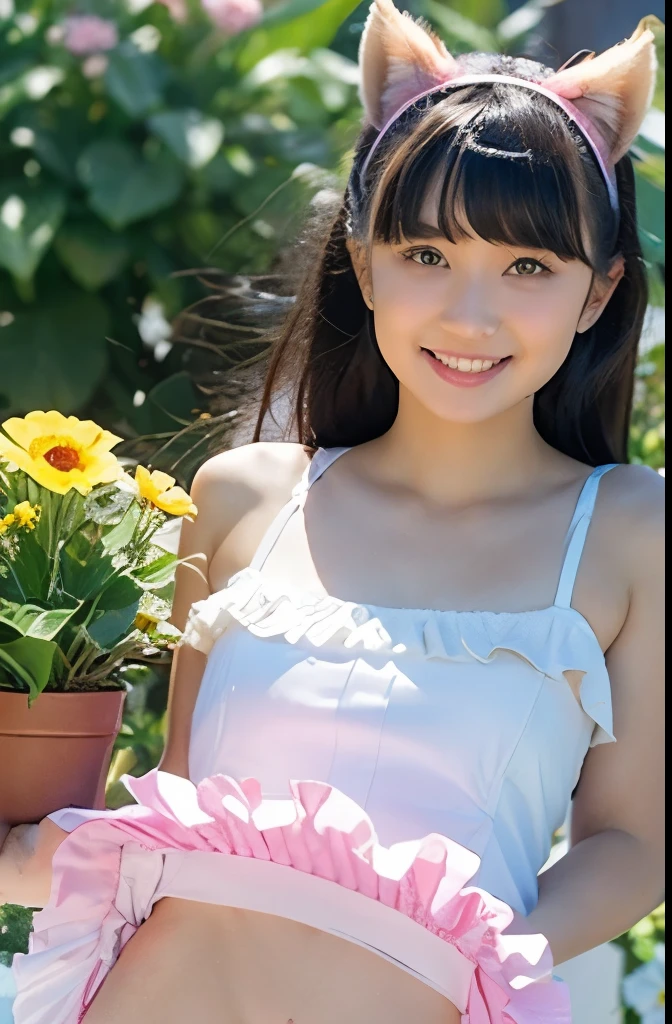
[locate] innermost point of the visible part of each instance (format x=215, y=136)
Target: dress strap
x=320, y=461
x=576, y=535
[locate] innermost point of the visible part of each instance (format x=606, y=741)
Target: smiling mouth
x=465, y=365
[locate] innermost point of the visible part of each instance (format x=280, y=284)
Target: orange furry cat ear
x=399, y=58
x=615, y=89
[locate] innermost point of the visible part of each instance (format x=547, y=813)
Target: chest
x=473, y=561
x=409, y=740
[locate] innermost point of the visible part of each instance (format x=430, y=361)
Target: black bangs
x=511, y=176
x=494, y=160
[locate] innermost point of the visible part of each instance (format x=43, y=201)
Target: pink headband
x=597, y=144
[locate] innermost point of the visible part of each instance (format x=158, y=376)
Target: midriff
x=201, y=963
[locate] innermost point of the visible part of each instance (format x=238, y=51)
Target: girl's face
x=473, y=328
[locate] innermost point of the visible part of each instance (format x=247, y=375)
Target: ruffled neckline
x=553, y=640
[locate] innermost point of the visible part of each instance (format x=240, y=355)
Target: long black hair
x=522, y=174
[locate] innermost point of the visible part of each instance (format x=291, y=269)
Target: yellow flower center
x=60, y=452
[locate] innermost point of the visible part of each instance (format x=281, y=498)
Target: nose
x=467, y=314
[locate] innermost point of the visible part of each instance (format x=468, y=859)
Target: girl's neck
x=459, y=464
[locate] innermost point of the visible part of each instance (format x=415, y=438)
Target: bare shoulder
x=237, y=493
x=263, y=467
x=634, y=503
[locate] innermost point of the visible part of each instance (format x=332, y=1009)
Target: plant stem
x=92, y=609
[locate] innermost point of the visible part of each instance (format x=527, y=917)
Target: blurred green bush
x=132, y=158
x=138, y=140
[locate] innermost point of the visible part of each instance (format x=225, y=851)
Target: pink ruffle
x=107, y=870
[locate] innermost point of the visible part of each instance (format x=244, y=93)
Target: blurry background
x=140, y=141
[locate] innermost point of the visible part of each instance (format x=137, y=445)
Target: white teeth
x=467, y=365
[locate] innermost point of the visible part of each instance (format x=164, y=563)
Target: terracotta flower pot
x=57, y=753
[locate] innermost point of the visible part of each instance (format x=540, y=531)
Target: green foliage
x=75, y=582
x=15, y=925
x=118, y=170
x=647, y=435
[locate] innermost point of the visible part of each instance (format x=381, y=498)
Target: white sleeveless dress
x=393, y=776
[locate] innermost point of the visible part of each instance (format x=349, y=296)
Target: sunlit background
x=142, y=141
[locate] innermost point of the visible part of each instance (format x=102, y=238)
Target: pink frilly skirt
x=312, y=857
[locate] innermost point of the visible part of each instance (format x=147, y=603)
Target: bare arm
x=613, y=874
x=236, y=493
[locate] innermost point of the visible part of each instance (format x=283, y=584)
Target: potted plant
x=83, y=586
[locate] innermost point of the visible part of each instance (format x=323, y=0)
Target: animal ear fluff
x=615, y=89
x=399, y=59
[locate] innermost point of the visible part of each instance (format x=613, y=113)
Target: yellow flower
x=24, y=515
x=158, y=488
x=60, y=452
x=6, y=522
x=27, y=514
x=144, y=621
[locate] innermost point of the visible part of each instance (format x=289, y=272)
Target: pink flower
x=233, y=16
x=87, y=33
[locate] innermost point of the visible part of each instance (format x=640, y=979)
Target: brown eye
x=527, y=267
x=426, y=257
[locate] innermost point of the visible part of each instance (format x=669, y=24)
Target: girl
x=363, y=774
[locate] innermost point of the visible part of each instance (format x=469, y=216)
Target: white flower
x=95, y=66
x=644, y=989
x=154, y=329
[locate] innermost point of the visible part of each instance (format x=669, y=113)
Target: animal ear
x=399, y=58
x=615, y=89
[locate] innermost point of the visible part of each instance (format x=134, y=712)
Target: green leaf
x=107, y=504
x=91, y=253
x=58, y=134
x=29, y=84
x=124, y=187
x=488, y=13
x=158, y=572
x=85, y=568
x=121, y=593
x=134, y=79
x=33, y=621
x=53, y=355
x=192, y=137
x=168, y=405
x=651, y=218
x=460, y=34
x=27, y=572
x=29, y=219
x=514, y=28
x=113, y=626
x=8, y=630
x=300, y=24
x=120, y=535
x=29, y=659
